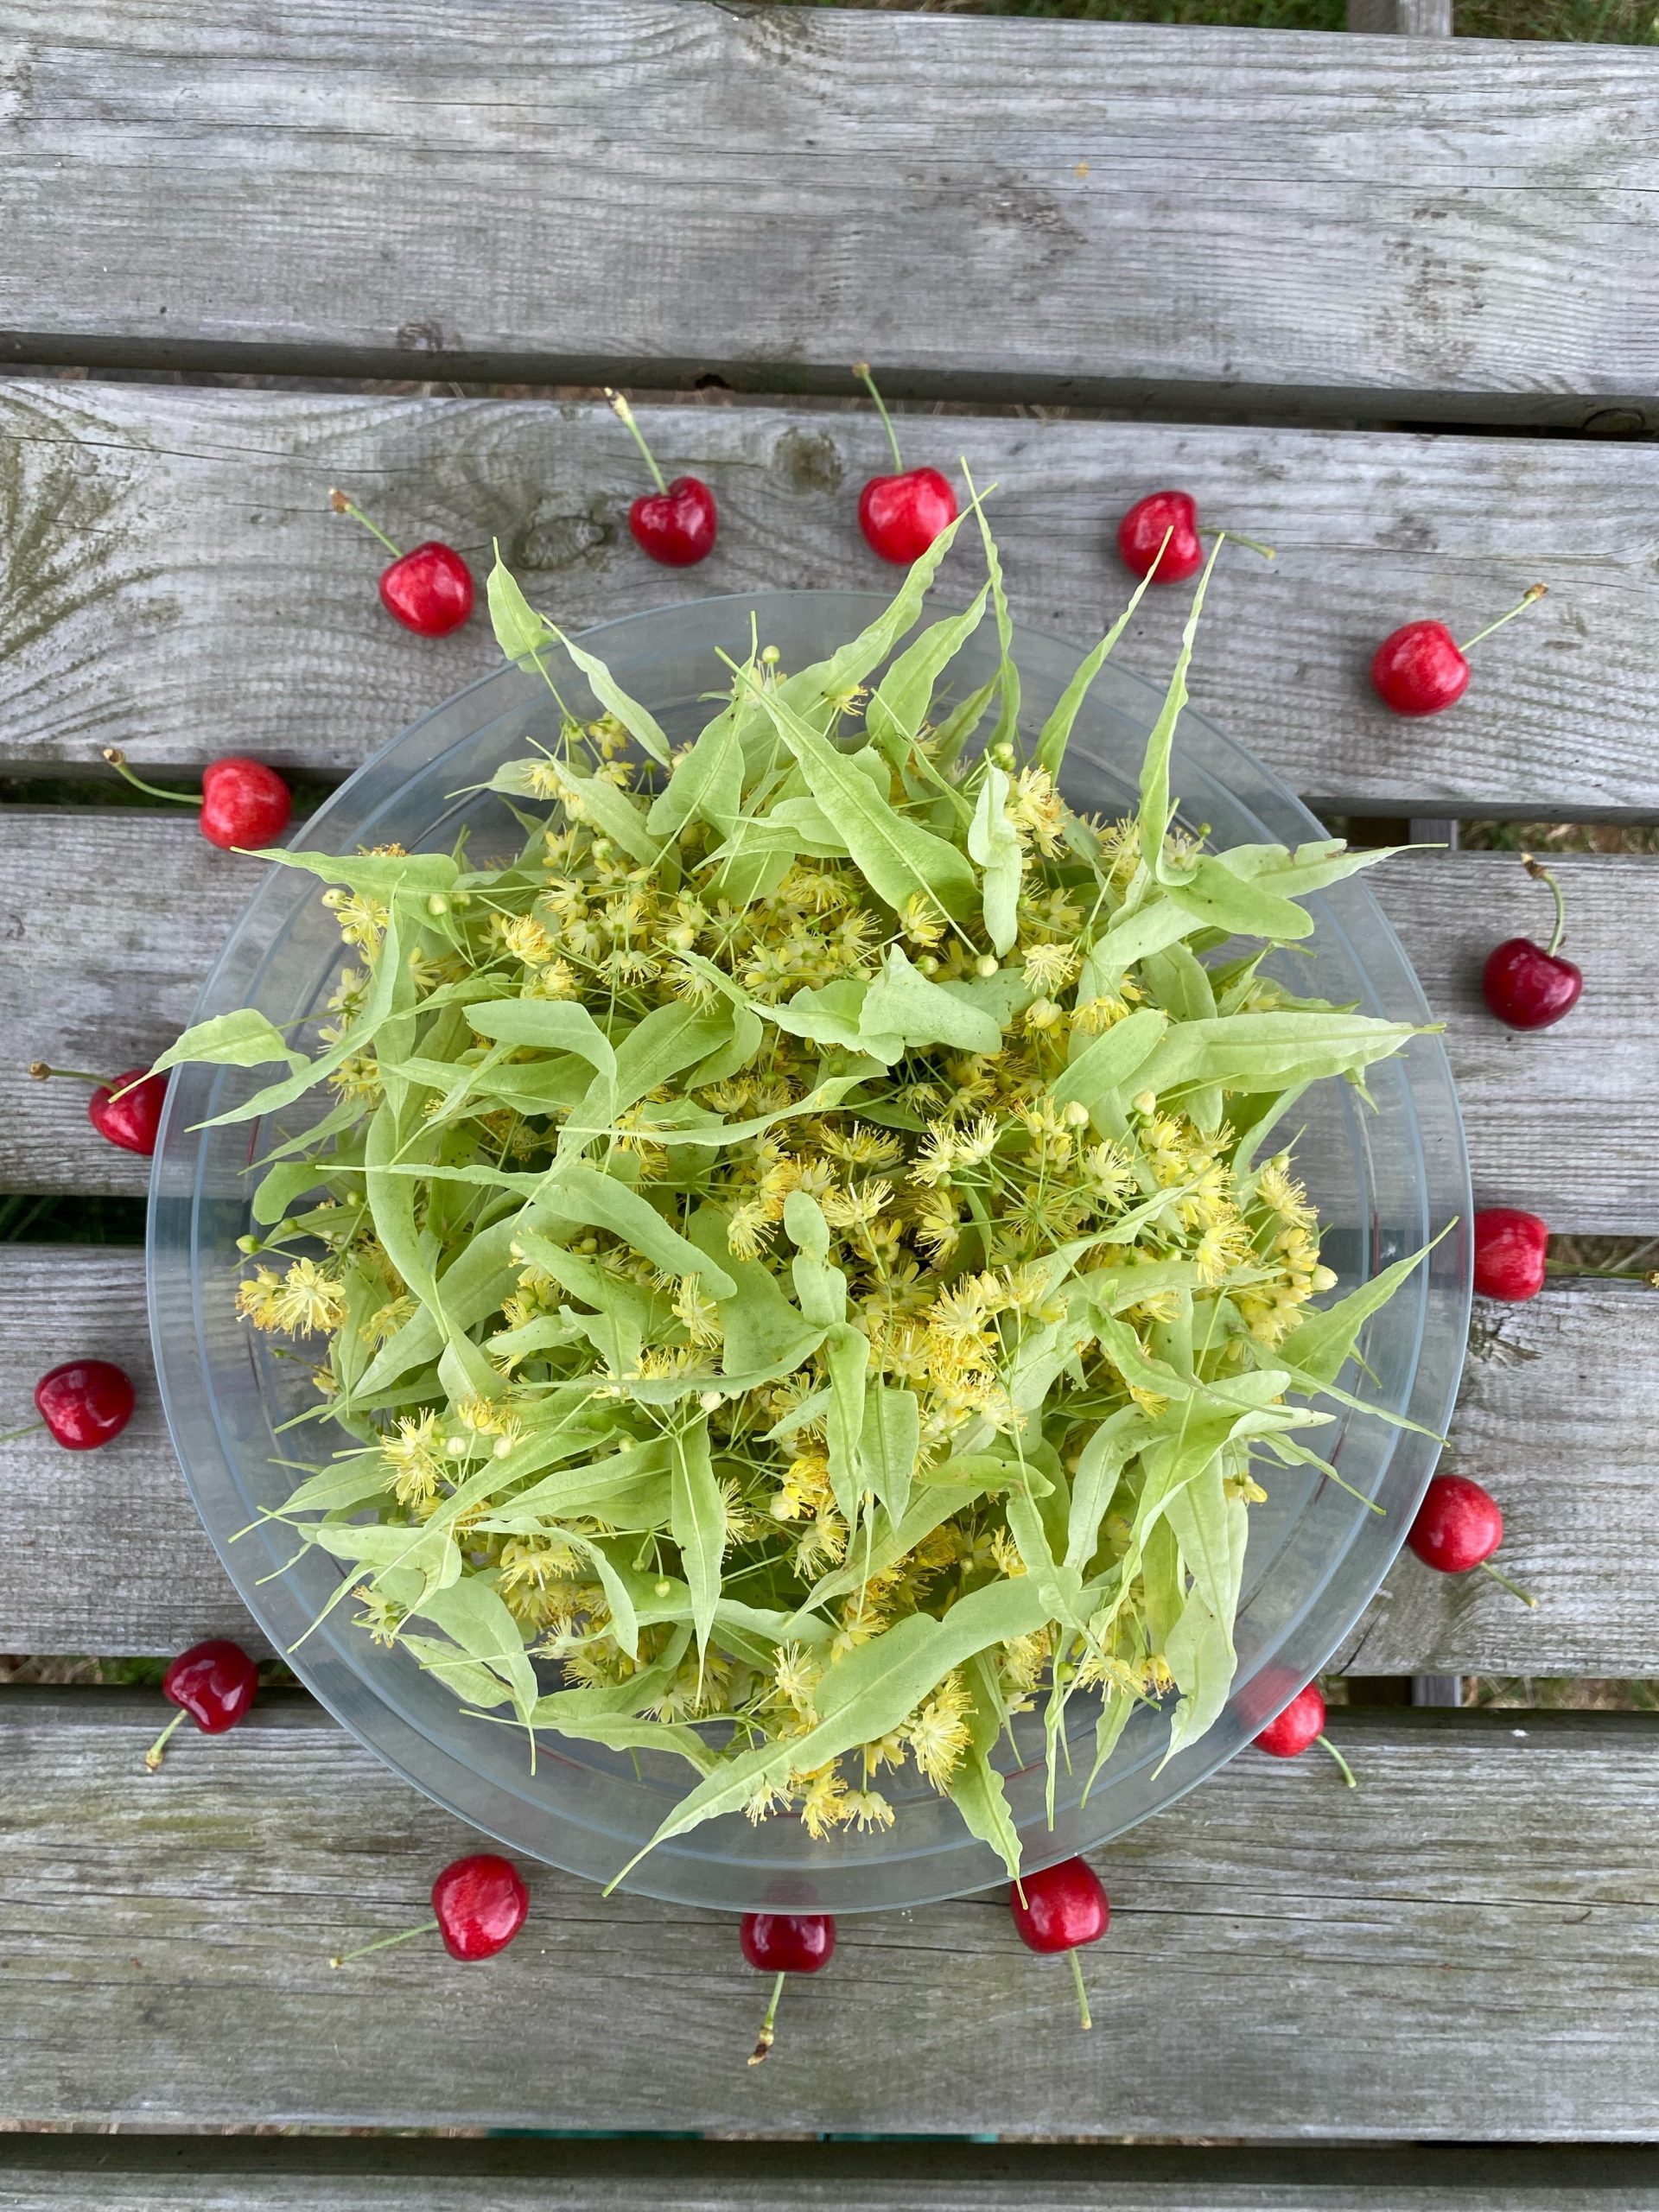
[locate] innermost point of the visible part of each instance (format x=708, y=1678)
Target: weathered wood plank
x=106, y=972
x=174, y=583
x=1559, y=1417
x=984, y=207
x=1471, y=1937
x=181, y=2174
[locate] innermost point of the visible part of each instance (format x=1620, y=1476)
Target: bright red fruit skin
x=677, y=527
x=244, y=804
x=131, y=1122
x=84, y=1402
x=788, y=1943
x=481, y=1905
x=1526, y=987
x=1301, y=1723
x=1458, y=1525
x=901, y=516
x=215, y=1683
x=1510, y=1248
x=1141, y=532
x=1419, y=669
x=1064, y=1907
x=428, y=589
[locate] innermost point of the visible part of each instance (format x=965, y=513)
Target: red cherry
x=676, y=526
x=1457, y=1528
x=783, y=1943
x=1510, y=1248
x=85, y=1404
x=1528, y=985
x=1301, y=1723
x=481, y=1905
x=901, y=515
x=1421, y=668
x=131, y=1120
x=1141, y=538
x=1060, y=1910
x=428, y=589
x=214, y=1682
x=244, y=804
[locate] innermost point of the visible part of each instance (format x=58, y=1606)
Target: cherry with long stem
x=1530, y=598
x=901, y=515
x=428, y=589
x=678, y=522
x=244, y=804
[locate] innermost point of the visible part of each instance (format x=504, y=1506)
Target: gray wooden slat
x=106, y=972
x=1466, y=1947
x=174, y=583
x=128, y=2174
x=1559, y=1417
x=984, y=207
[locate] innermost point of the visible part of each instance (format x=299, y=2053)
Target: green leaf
x=518, y=628
x=900, y=707
x=904, y=1003
x=1056, y=730
x=846, y=1357
x=992, y=843
x=1323, y=1344
x=1156, y=811
x=889, y=1441
x=243, y=1039
x=1264, y=1051
x=976, y=1788
x=577, y=1193
x=1108, y=1061
x=696, y=1521
x=707, y=783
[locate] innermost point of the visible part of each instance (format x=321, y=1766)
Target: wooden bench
x=1389, y=307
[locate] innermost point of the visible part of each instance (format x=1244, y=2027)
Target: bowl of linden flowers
x=813, y=1247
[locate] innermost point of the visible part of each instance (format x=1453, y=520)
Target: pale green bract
x=790, y=1259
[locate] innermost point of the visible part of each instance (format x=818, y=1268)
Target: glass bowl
x=1386, y=1182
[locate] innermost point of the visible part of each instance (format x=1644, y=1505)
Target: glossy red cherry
x=901, y=515
x=428, y=589
x=84, y=1402
x=1301, y=1723
x=1060, y=1910
x=1420, y=668
x=1510, y=1251
x=132, y=1119
x=677, y=523
x=1141, y=533
x=244, y=804
x=1528, y=985
x=479, y=1905
x=783, y=1943
x=214, y=1683
x=1458, y=1528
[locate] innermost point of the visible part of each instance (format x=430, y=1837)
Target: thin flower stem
x=342, y=505
x=118, y=761
x=861, y=370
x=1537, y=593
x=157, y=1750
x=1539, y=874
x=1347, y=1771
x=1083, y=2013
x=767, y=2036
x=41, y=1071
x=1514, y=1588
x=28, y=1429
x=623, y=415
x=383, y=1943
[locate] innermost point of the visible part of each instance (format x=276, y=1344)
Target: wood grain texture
x=101, y=1551
x=1468, y=1947
x=330, y=2174
x=104, y=971
x=980, y=206
x=172, y=580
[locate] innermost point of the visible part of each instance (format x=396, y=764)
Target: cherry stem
x=1347, y=1771
x=1268, y=552
x=1514, y=1588
x=1083, y=2013
x=342, y=505
x=157, y=1750
x=861, y=370
x=623, y=415
x=764, y=2040
x=28, y=1429
x=1536, y=869
x=41, y=1073
x=383, y=1942
x=118, y=761
x=1536, y=592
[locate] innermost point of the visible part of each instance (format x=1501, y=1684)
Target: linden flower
x=416, y=1458
x=1036, y=809
x=937, y=1733
x=526, y=940
x=303, y=1302
x=1050, y=968
x=362, y=921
